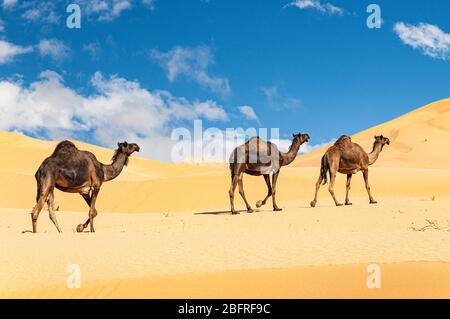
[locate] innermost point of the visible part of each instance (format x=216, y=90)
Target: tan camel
x=348, y=158
x=257, y=157
x=73, y=171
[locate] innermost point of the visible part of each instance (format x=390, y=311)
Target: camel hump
x=255, y=139
x=343, y=139
x=64, y=147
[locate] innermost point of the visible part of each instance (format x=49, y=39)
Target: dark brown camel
x=257, y=157
x=73, y=171
x=348, y=158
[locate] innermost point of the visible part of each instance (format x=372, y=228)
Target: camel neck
x=373, y=156
x=113, y=170
x=289, y=157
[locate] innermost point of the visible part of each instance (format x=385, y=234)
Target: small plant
x=431, y=224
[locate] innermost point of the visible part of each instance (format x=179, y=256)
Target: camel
x=73, y=171
x=257, y=157
x=348, y=158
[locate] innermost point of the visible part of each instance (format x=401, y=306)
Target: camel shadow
x=224, y=212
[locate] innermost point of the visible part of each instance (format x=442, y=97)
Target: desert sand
x=164, y=230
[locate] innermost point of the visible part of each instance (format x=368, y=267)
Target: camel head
x=383, y=140
x=127, y=148
x=302, y=138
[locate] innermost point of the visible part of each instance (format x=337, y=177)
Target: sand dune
x=161, y=224
x=418, y=139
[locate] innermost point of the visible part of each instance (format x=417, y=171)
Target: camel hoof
x=277, y=209
x=259, y=204
x=80, y=228
x=373, y=202
x=233, y=212
x=348, y=204
x=250, y=211
x=313, y=204
x=339, y=204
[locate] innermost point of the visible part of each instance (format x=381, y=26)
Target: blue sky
x=302, y=67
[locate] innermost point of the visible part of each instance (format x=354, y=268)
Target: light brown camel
x=73, y=171
x=257, y=157
x=348, y=158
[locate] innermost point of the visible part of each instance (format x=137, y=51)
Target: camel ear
x=293, y=135
x=125, y=144
x=118, y=144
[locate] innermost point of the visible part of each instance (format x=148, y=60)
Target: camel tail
x=232, y=171
x=38, y=182
x=324, y=168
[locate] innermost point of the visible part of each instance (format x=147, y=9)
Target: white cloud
x=108, y=10
x=93, y=48
x=193, y=64
x=211, y=111
x=149, y=3
x=40, y=11
x=9, y=50
x=53, y=48
x=2, y=26
x=102, y=10
x=32, y=14
x=427, y=38
x=117, y=110
x=9, y=3
x=324, y=8
x=248, y=112
x=50, y=11
x=280, y=101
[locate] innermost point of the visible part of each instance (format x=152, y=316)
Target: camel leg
x=269, y=192
x=234, y=183
x=366, y=179
x=92, y=211
x=241, y=192
x=274, y=191
x=319, y=182
x=45, y=190
x=51, y=212
x=331, y=186
x=82, y=227
x=349, y=179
